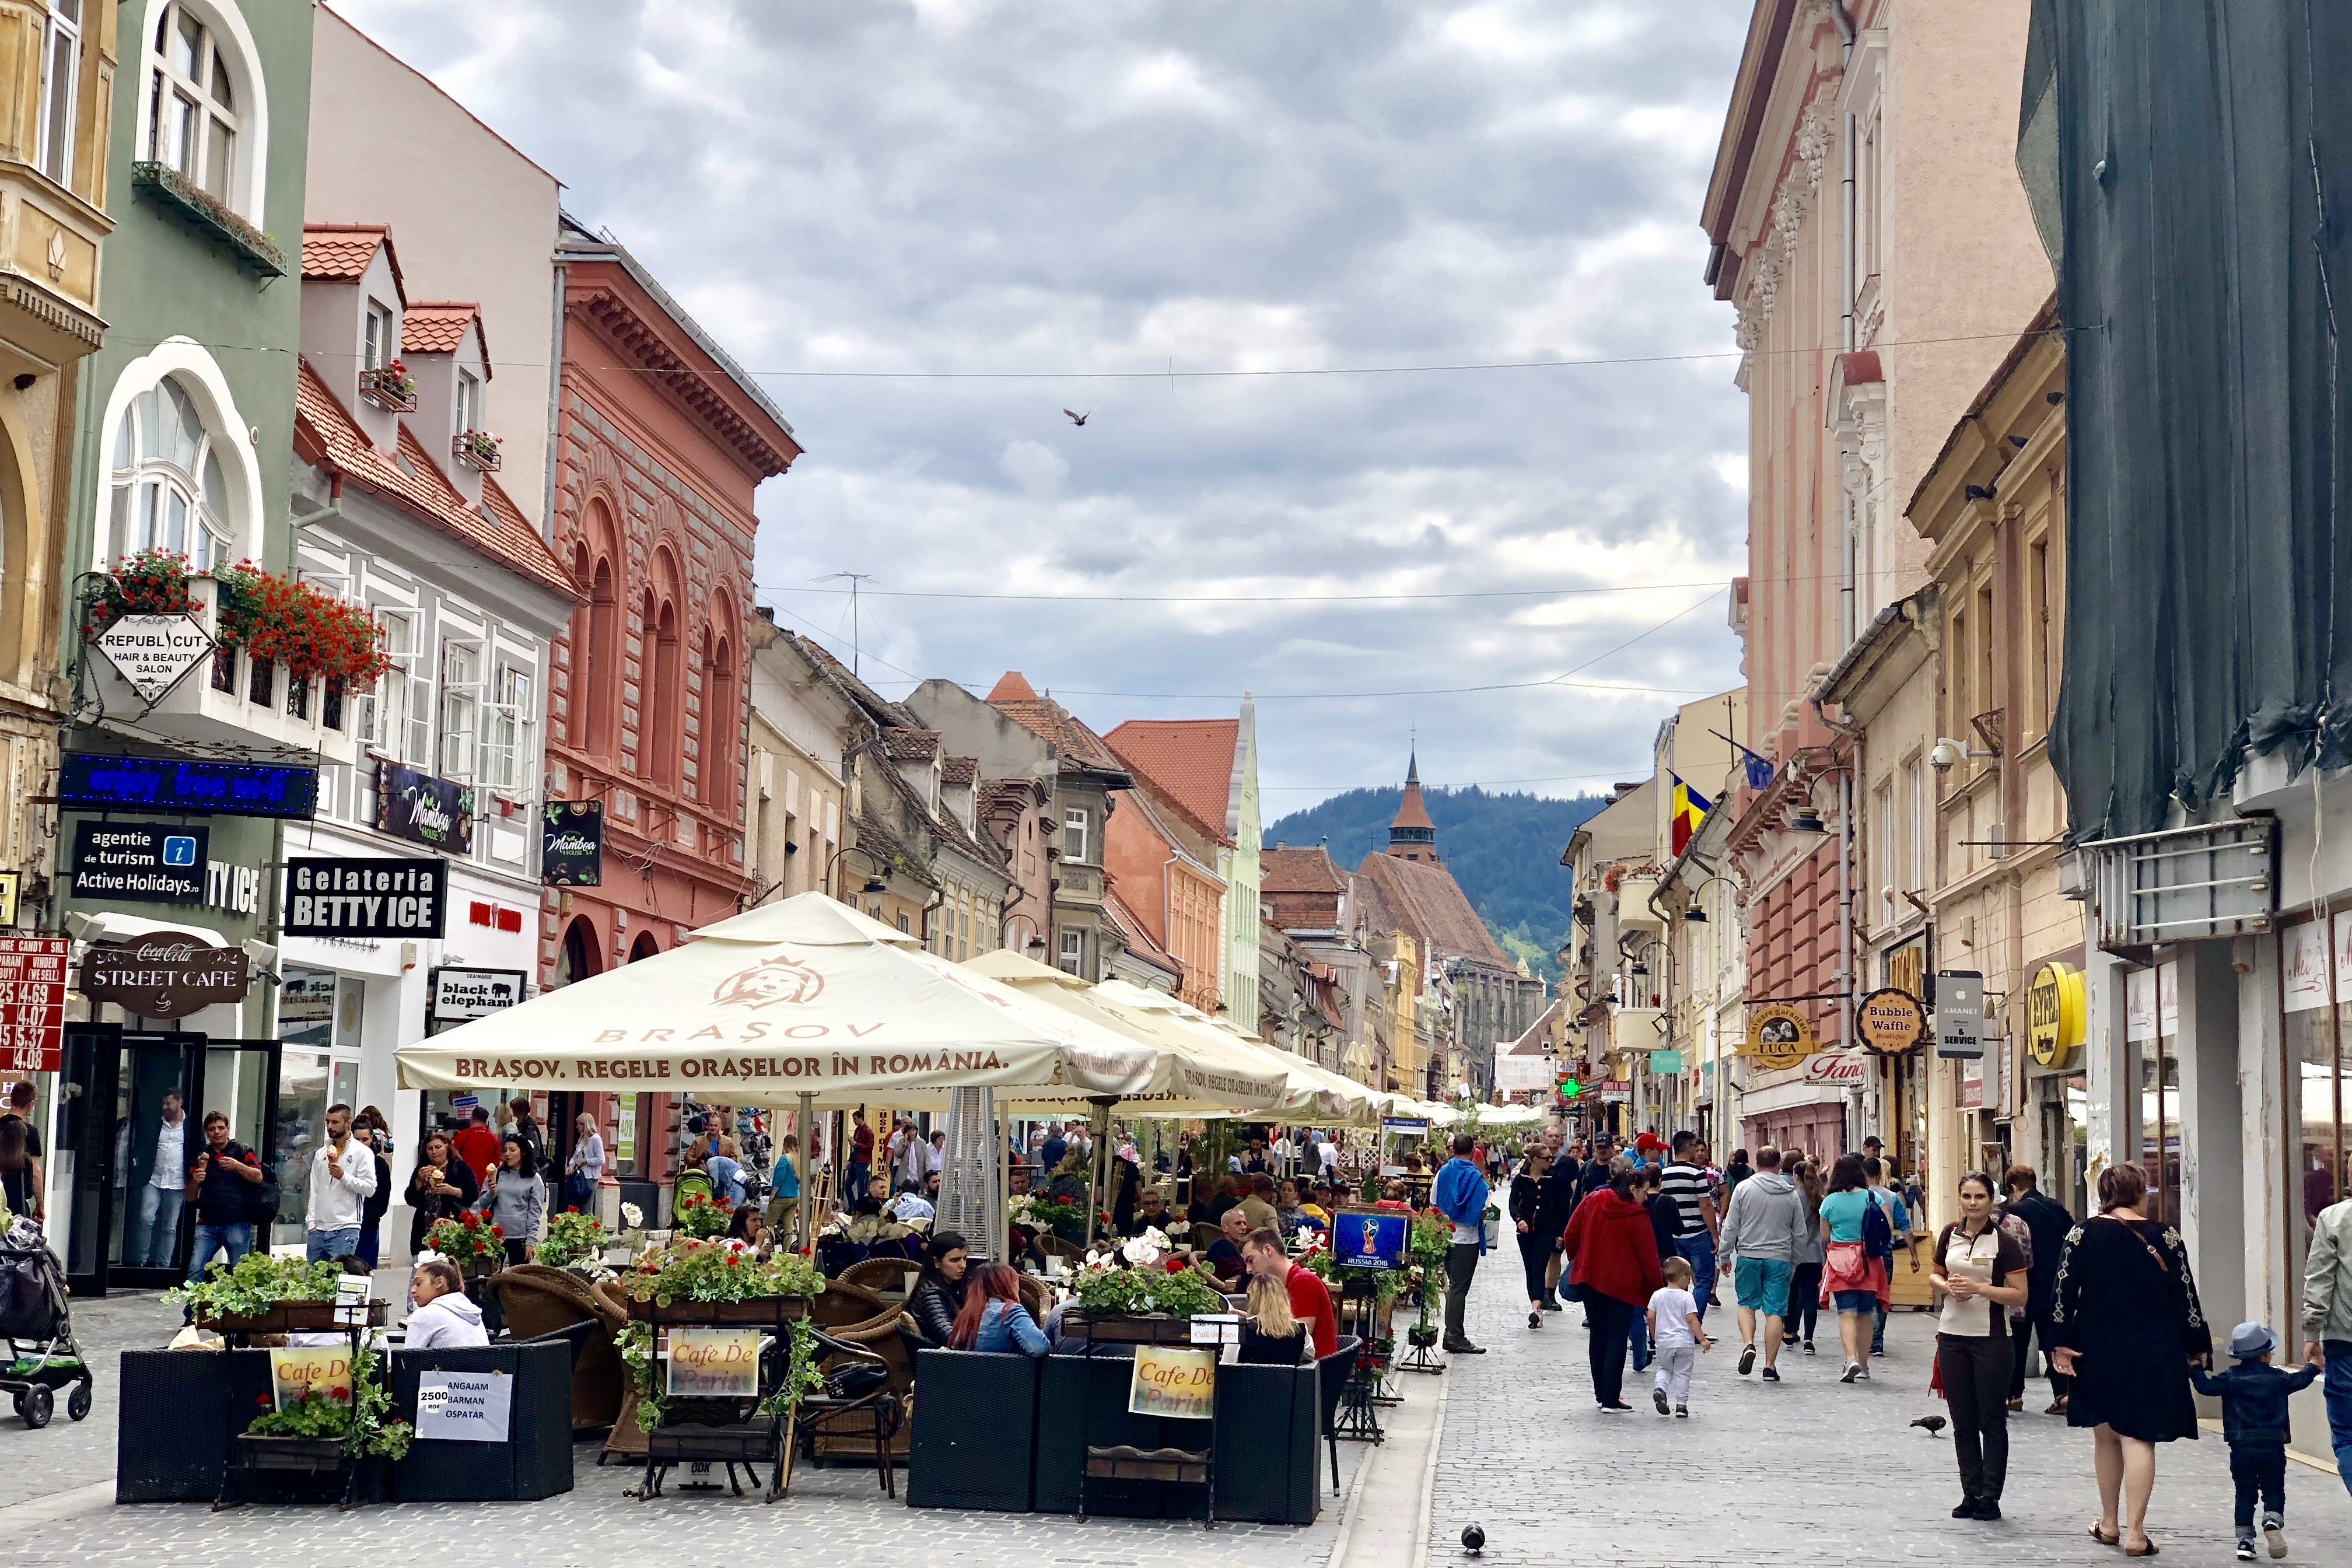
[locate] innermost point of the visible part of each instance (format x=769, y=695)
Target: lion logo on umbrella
x=778, y=979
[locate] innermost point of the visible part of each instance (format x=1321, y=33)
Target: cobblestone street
x=1810, y=1471
x=1840, y=1479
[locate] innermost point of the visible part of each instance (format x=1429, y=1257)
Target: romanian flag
x=1690, y=809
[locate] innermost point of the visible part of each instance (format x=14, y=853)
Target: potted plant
x=390, y=387
x=1140, y=1294
x=699, y=1217
x=470, y=1241
x=692, y=1281
x=574, y=1240
x=263, y=1294
x=480, y=448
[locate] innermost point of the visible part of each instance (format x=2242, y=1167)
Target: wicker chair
x=1067, y=1251
x=538, y=1300
x=890, y=1279
x=1205, y=1235
x=878, y=1336
x=1037, y=1296
x=843, y=1305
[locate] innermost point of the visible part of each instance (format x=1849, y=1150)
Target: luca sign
x=354, y=898
x=424, y=810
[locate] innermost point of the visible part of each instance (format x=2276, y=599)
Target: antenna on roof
x=855, y=579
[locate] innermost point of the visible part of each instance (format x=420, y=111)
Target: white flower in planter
x=1146, y=1250
x=633, y=1213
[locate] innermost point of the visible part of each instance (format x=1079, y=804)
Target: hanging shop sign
x=1779, y=1035
x=12, y=884
x=1890, y=1022
x=1959, y=1014
x=90, y=782
x=424, y=810
x=459, y=994
x=356, y=898
x=1666, y=1064
x=33, y=1002
x=155, y=653
x=140, y=862
x=1841, y=1070
x=2057, y=1011
x=165, y=975
x=571, y=844
x=720, y=1364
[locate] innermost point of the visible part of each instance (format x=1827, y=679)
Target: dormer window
x=382, y=344
x=469, y=401
x=193, y=123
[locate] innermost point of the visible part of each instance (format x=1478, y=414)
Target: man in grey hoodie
x=1759, y=1249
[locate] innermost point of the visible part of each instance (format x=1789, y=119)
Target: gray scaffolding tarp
x=2202, y=189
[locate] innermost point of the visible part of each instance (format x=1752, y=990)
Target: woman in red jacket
x=1614, y=1256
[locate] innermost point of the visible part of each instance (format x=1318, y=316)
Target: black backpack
x=261, y=1204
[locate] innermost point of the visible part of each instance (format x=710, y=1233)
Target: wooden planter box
x=290, y=1318
x=311, y=1455
x=760, y=1310
x=1127, y=1328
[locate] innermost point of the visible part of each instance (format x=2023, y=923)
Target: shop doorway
x=130, y=1226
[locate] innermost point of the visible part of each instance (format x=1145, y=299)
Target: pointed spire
x=1412, y=834
x=1014, y=688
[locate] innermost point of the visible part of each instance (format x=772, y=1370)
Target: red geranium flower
x=734, y=1259
x=572, y=1209
x=497, y=1230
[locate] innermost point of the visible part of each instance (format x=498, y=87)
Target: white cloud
x=977, y=185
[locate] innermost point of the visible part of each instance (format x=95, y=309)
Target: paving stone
x=1808, y=1471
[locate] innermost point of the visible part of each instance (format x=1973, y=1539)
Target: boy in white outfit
x=1677, y=1336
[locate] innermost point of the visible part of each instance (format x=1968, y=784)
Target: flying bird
x=1078, y=418
x=1932, y=1424
x=1474, y=1539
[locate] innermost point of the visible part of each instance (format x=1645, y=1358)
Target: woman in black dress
x=1534, y=1246
x=2129, y=1329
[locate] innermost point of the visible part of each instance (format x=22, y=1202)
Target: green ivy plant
x=258, y=1284
x=635, y=1344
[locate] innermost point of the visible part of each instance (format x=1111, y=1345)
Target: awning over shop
x=804, y=996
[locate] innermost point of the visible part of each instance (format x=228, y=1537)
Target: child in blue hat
x=2254, y=1395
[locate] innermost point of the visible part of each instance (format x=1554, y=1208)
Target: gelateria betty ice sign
x=359, y=898
x=424, y=810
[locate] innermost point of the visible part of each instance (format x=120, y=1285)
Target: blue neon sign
x=88, y=782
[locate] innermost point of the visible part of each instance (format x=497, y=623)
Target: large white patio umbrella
x=806, y=997
x=1199, y=1077
x=1313, y=1094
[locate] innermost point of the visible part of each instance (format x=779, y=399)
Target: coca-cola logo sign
x=165, y=975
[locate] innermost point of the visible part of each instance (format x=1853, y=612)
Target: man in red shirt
x=477, y=1144
x=1310, y=1301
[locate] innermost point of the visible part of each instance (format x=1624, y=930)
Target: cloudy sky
x=1044, y=205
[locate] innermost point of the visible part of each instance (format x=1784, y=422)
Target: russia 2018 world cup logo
x=778, y=979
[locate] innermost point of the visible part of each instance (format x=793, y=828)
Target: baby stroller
x=33, y=1310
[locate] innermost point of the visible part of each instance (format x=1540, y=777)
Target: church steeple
x=1412, y=837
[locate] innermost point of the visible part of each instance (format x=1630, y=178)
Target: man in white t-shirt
x=1327, y=1154
x=155, y=1226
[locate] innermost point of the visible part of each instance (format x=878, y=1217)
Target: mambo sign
x=815, y=1065
x=367, y=898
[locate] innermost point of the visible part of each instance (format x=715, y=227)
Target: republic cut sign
x=358, y=899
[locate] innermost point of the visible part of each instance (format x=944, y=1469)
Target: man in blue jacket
x=1460, y=1194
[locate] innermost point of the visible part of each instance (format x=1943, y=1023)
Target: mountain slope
x=1504, y=849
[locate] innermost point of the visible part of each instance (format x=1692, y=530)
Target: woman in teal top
x=1851, y=1279
x=1842, y=1213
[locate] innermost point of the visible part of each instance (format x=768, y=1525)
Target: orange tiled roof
x=342, y=252
x=1138, y=939
x=440, y=327
x=498, y=529
x=1312, y=870
x=1191, y=760
x=911, y=745
x=960, y=771
x=1051, y=723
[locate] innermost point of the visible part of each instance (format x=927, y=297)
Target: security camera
x=1947, y=755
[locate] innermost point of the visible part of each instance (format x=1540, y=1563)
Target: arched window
x=596, y=687
x=661, y=730
x=583, y=954
x=645, y=947
x=194, y=112
x=169, y=492
x=719, y=724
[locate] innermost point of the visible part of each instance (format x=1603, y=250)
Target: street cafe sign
x=165, y=975
x=155, y=653
x=1891, y=1022
x=1841, y=1070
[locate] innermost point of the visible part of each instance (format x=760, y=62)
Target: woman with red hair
x=993, y=1321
